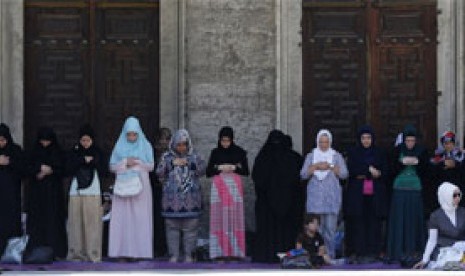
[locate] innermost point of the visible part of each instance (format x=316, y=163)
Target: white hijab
x=446, y=199
x=323, y=156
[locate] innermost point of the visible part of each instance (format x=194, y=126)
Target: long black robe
x=276, y=178
x=364, y=214
x=10, y=189
x=46, y=210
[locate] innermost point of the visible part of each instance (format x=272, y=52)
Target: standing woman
x=180, y=169
x=324, y=167
x=447, y=166
x=11, y=168
x=365, y=204
x=85, y=164
x=227, y=231
x=46, y=207
x=406, y=233
x=276, y=177
x=131, y=226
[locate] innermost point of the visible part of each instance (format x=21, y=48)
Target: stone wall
x=230, y=49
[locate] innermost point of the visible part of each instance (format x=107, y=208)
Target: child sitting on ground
x=311, y=240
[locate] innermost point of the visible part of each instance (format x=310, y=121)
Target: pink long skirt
x=227, y=231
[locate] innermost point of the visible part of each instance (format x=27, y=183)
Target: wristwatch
x=331, y=166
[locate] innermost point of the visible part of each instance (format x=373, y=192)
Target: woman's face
x=86, y=141
x=181, y=148
x=225, y=142
x=457, y=196
x=366, y=140
x=3, y=142
x=323, y=142
x=131, y=136
x=410, y=141
x=449, y=146
x=164, y=141
x=45, y=143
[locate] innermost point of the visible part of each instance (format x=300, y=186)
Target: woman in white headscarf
x=446, y=224
x=324, y=167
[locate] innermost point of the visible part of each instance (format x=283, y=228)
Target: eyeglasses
x=457, y=195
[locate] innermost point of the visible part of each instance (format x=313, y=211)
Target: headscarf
x=441, y=154
x=86, y=130
x=323, y=156
x=410, y=131
x=181, y=136
x=446, y=196
x=5, y=133
x=10, y=145
x=229, y=133
x=368, y=153
x=47, y=133
x=140, y=149
x=182, y=174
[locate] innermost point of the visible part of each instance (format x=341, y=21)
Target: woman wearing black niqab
x=276, y=178
x=11, y=168
x=46, y=210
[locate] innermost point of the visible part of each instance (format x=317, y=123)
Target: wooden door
x=369, y=62
x=91, y=61
x=57, y=68
x=403, y=66
x=126, y=67
x=334, y=70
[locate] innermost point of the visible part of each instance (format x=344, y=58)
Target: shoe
x=173, y=259
x=188, y=260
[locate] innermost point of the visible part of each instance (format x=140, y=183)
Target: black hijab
x=86, y=130
x=367, y=154
x=410, y=131
x=47, y=133
x=229, y=133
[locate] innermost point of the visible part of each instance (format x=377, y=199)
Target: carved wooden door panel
x=91, y=61
x=334, y=70
x=57, y=68
x=126, y=66
x=369, y=61
x=403, y=63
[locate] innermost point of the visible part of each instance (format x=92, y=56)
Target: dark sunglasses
x=457, y=195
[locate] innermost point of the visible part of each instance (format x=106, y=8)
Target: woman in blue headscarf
x=131, y=227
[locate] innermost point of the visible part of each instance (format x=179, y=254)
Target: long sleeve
x=17, y=160
x=197, y=164
x=119, y=167
x=212, y=169
x=142, y=166
x=430, y=244
x=343, y=172
x=164, y=167
x=304, y=174
x=243, y=168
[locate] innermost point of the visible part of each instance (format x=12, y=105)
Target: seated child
x=312, y=241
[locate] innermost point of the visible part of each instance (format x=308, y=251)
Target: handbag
x=126, y=187
x=368, y=187
x=14, y=250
